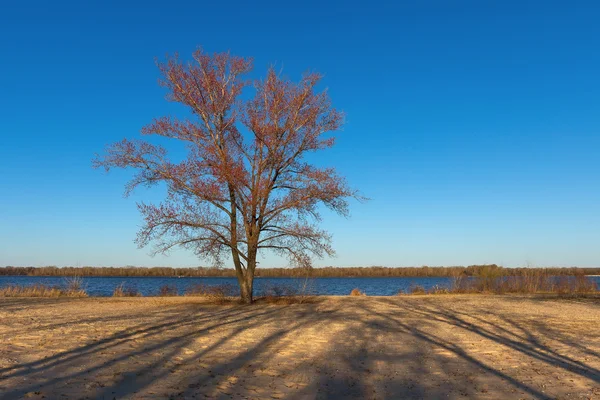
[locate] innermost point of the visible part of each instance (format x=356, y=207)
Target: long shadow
x=590, y=300
x=429, y=340
x=113, y=340
x=80, y=355
x=262, y=350
x=558, y=336
x=240, y=318
x=125, y=386
x=14, y=304
x=104, y=319
x=359, y=363
x=541, y=328
x=529, y=345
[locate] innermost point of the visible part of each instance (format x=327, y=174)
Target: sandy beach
x=469, y=346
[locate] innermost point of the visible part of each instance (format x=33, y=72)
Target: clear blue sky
x=474, y=126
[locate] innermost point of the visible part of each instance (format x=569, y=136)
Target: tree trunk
x=246, y=289
x=246, y=279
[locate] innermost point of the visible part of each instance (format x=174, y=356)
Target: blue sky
x=473, y=126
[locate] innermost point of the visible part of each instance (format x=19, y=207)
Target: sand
x=447, y=346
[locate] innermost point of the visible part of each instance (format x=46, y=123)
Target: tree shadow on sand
x=363, y=348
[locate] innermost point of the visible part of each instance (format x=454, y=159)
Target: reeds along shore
x=525, y=284
x=73, y=287
x=324, y=272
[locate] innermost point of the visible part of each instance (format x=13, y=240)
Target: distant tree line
x=324, y=272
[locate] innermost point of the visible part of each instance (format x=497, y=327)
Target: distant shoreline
x=487, y=270
x=233, y=277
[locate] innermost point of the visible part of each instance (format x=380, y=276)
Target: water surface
x=148, y=286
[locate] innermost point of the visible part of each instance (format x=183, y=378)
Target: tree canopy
x=245, y=185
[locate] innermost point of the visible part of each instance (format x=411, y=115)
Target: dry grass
x=527, y=284
x=40, y=291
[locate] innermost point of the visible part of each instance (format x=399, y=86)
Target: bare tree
x=245, y=185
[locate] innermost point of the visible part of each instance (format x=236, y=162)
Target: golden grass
x=39, y=290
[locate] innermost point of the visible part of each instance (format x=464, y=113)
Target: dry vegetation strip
x=346, y=347
x=71, y=289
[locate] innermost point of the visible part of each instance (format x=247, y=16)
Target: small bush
x=357, y=292
x=167, y=291
x=74, y=283
x=305, y=291
x=272, y=290
x=74, y=286
x=126, y=291
x=298, y=293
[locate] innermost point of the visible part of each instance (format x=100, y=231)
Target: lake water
x=148, y=286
